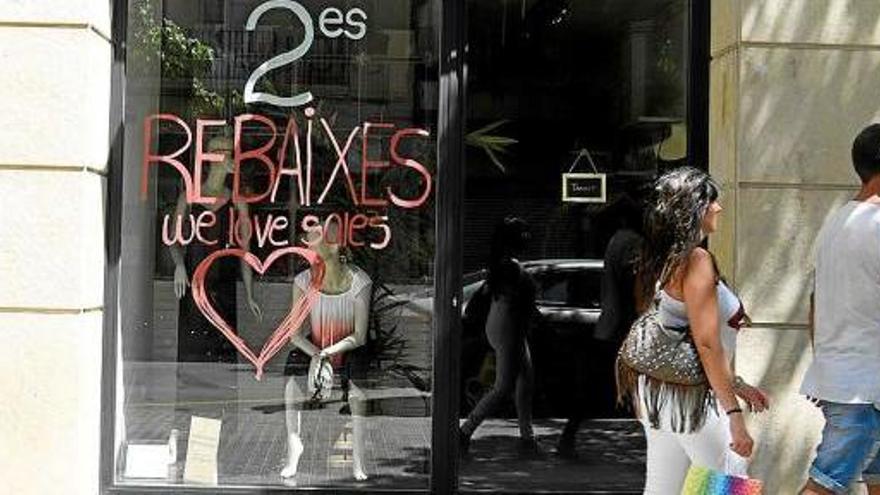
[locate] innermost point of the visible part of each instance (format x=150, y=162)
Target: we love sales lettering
x=293, y=159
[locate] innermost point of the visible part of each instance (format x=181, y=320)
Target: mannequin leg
x=293, y=396
x=358, y=404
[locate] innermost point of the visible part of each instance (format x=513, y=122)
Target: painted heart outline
x=291, y=322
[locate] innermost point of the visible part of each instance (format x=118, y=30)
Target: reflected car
x=573, y=372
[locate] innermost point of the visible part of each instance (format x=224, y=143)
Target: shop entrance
x=574, y=108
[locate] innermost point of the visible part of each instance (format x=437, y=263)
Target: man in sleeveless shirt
x=844, y=377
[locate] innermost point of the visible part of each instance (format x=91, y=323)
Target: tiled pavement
x=397, y=448
x=253, y=442
x=611, y=453
x=611, y=458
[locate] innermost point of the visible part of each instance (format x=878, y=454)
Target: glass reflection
x=278, y=223
x=575, y=106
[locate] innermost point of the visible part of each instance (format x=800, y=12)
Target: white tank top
x=673, y=314
x=731, y=315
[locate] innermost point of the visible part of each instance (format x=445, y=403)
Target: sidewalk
x=611, y=453
x=611, y=458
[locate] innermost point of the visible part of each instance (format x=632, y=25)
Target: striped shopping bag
x=705, y=481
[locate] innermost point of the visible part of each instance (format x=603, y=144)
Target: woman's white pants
x=671, y=454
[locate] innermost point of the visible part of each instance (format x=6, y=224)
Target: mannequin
x=192, y=321
x=198, y=340
x=336, y=325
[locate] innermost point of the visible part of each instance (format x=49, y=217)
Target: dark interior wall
x=608, y=76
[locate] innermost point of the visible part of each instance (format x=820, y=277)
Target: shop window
x=278, y=234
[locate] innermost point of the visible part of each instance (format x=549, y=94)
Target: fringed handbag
x=666, y=362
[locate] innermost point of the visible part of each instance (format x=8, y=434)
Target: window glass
x=574, y=107
x=553, y=289
x=577, y=288
x=278, y=243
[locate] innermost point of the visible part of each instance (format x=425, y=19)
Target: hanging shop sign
x=584, y=187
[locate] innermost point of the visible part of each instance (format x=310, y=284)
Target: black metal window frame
x=448, y=257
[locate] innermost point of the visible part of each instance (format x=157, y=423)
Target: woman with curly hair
x=686, y=425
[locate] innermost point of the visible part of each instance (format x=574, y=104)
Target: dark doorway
x=574, y=108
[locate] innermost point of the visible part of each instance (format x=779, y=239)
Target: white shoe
x=359, y=474
x=294, y=451
x=288, y=471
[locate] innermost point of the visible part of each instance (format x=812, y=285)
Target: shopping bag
x=320, y=380
x=704, y=481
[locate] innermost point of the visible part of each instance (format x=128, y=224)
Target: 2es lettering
x=332, y=23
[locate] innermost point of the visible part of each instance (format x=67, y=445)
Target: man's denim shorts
x=849, y=448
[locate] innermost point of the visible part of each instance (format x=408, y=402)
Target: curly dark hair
x=673, y=225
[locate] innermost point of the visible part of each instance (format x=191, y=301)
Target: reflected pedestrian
x=595, y=380
x=512, y=295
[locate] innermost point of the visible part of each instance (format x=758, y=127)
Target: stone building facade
x=792, y=82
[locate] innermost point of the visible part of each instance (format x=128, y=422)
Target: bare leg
x=357, y=402
x=525, y=386
x=508, y=345
x=506, y=374
x=293, y=417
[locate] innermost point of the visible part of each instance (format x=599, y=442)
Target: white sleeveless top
x=673, y=314
x=332, y=316
x=731, y=314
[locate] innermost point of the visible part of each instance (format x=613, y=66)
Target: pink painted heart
x=291, y=322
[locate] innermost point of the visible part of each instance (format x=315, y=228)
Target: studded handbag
x=657, y=365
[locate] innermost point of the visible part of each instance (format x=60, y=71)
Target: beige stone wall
x=792, y=82
x=56, y=58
